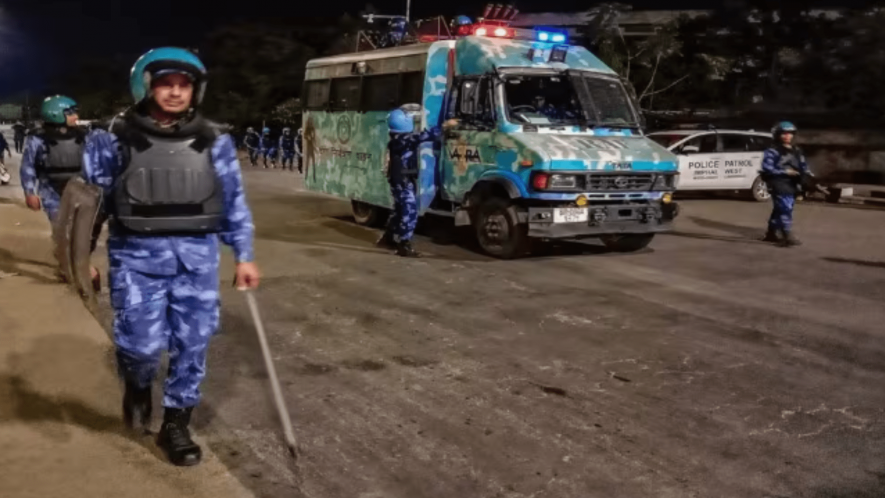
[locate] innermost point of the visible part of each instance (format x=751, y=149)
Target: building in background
x=10, y=112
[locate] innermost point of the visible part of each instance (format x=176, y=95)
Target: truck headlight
x=665, y=182
x=562, y=181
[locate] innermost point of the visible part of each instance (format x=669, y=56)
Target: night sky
x=38, y=36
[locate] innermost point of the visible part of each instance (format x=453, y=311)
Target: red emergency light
x=487, y=29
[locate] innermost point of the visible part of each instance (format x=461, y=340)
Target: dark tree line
x=754, y=52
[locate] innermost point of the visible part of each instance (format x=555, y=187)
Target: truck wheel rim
x=496, y=230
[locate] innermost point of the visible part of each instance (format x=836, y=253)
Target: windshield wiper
x=597, y=126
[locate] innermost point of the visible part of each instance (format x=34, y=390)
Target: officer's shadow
x=11, y=264
x=65, y=381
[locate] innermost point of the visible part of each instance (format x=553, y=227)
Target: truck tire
x=366, y=214
x=759, y=191
x=498, y=231
x=627, y=242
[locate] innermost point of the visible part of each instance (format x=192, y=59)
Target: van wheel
x=627, y=242
x=759, y=190
x=498, y=230
x=366, y=214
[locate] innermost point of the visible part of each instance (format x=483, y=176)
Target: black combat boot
x=386, y=241
x=175, y=438
x=137, y=407
x=405, y=249
x=790, y=240
x=772, y=235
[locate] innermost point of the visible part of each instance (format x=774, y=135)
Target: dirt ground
x=711, y=365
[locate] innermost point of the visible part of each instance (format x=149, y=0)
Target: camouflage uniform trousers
x=782, y=212
x=404, y=217
x=288, y=156
x=179, y=313
x=253, y=156
x=271, y=154
x=50, y=200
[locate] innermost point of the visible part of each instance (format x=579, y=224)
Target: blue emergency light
x=545, y=36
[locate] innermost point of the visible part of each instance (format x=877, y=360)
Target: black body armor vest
x=169, y=184
x=64, y=156
x=288, y=143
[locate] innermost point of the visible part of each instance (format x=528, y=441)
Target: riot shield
x=74, y=233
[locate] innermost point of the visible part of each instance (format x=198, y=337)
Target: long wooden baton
x=272, y=373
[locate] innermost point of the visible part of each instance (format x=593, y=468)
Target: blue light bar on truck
x=547, y=36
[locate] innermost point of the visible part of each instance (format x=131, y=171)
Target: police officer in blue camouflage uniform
x=52, y=155
x=252, y=143
x=268, y=148
x=402, y=174
x=163, y=244
x=782, y=166
x=287, y=149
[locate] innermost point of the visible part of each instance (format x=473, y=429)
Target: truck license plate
x=569, y=215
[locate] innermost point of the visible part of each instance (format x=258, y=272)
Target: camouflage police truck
x=549, y=144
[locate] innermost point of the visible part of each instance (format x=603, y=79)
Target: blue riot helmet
x=56, y=108
x=781, y=128
x=265, y=131
x=400, y=122
x=463, y=21
x=167, y=60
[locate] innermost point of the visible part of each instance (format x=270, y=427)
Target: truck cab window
x=474, y=102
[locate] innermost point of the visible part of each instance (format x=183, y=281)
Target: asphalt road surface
x=711, y=365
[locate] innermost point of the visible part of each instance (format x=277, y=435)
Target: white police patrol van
x=718, y=159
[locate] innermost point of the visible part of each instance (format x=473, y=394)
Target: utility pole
x=408, y=7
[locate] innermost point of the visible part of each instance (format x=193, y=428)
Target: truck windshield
x=573, y=99
x=606, y=101
x=541, y=100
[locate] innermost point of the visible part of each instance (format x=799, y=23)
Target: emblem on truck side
x=344, y=128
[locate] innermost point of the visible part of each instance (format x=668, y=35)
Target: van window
x=735, y=143
x=317, y=94
x=759, y=144
x=412, y=88
x=704, y=144
x=380, y=92
x=345, y=94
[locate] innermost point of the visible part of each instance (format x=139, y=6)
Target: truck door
x=469, y=149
